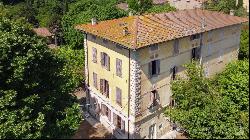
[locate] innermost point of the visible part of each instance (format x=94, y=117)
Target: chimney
x=125, y=31
x=231, y=12
x=93, y=21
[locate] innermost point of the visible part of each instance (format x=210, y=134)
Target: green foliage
x=11, y=11
x=34, y=88
x=74, y=63
x=212, y=108
x=225, y=6
x=161, y=8
x=139, y=6
x=244, y=45
x=81, y=12
x=234, y=83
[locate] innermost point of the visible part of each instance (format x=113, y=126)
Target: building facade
x=131, y=61
x=246, y=5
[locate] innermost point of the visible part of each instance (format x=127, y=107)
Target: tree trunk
x=55, y=40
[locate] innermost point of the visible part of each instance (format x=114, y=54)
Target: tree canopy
x=226, y=5
x=34, y=89
x=212, y=108
x=244, y=44
x=81, y=12
x=160, y=8
x=139, y=6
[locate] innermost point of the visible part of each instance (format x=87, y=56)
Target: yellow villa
x=130, y=62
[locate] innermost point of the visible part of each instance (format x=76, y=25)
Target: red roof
x=150, y=29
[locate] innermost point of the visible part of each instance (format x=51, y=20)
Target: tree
x=226, y=5
x=244, y=45
x=34, y=89
x=139, y=6
x=81, y=12
x=208, y=108
x=160, y=8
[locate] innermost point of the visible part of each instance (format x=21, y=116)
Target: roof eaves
x=78, y=27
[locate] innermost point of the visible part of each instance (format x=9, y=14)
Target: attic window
x=93, y=37
x=105, y=41
x=196, y=36
x=118, y=46
x=154, y=48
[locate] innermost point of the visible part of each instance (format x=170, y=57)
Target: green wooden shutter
x=101, y=85
x=102, y=59
x=122, y=126
x=108, y=63
x=115, y=119
x=107, y=89
x=109, y=115
x=117, y=67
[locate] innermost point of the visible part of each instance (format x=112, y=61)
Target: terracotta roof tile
x=145, y=30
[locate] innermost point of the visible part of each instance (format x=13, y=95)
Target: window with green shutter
x=94, y=55
x=118, y=96
x=104, y=87
x=95, y=80
x=105, y=61
x=118, y=67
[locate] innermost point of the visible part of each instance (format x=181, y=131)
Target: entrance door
x=152, y=132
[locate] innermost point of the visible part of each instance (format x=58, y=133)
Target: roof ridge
x=136, y=32
x=149, y=29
